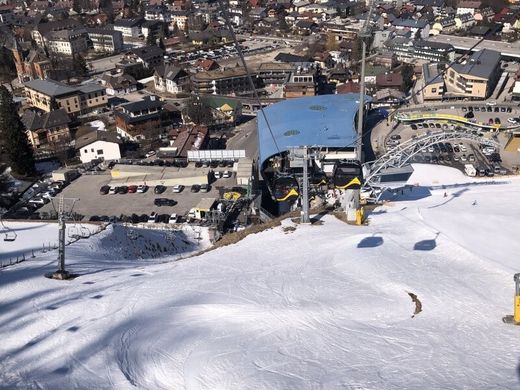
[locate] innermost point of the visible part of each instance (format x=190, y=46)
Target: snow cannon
x=515, y=318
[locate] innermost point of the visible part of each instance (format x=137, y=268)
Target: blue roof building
x=325, y=120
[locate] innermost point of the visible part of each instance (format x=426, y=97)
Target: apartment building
x=45, y=129
x=140, y=120
x=66, y=42
x=106, y=41
x=232, y=81
x=130, y=28
x=476, y=78
x=49, y=95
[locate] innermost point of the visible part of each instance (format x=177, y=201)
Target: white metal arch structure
x=400, y=155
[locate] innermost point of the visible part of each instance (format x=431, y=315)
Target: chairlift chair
x=10, y=236
x=285, y=188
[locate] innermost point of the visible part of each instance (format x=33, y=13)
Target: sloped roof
x=170, y=72
x=36, y=120
x=481, y=64
x=96, y=135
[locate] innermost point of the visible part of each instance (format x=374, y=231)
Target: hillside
x=295, y=307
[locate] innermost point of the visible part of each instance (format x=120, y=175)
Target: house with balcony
x=171, y=79
x=46, y=129
x=140, y=120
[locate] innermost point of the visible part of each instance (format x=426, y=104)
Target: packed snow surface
x=323, y=306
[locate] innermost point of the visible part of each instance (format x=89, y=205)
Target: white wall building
x=98, y=144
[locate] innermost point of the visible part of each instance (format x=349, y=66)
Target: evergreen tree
x=407, y=73
x=79, y=65
x=150, y=39
x=19, y=152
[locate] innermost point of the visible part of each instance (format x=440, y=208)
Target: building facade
x=139, y=120
x=106, y=41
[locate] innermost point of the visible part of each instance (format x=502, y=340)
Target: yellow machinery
x=515, y=318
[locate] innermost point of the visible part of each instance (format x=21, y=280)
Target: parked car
x=38, y=201
x=178, y=188
x=104, y=190
x=164, y=202
x=150, y=153
x=113, y=190
x=142, y=188
x=226, y=174
x=132, y=189
x=195, y=188
x=205, y=188
x=122, y=190
x=159, y=189
x=173, y=218
x=152, y=218
x=217, y=174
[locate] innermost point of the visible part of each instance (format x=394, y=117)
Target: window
x=86, y=150
x=434, y=90
x=92, y=150
x=100, y=151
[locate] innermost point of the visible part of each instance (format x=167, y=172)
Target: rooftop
x=96, y=135
x=50, y=87
x=325, y=120
x=481, y=64
x=35, y=120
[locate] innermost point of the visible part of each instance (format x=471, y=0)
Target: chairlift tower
x=63, y=215
x=351, y=199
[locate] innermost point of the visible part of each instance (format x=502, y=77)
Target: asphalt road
x=245, y=138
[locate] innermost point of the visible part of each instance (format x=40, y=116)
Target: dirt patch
x=288, y=229
x=418, y=304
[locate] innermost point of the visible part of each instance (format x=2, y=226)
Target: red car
x=132, y=189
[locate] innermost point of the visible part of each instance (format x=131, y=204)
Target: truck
x=470, y=170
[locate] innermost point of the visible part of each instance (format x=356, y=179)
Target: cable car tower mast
x=351, y=201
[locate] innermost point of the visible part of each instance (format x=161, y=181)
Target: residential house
x=301, y=83
x=419, y=28
x=171, y=79
x=188, y=138
x=49, y=95
x=224, y=110
x=149, y=56
x=95, y=144
x=465, y=21
x=130, y=28
x=139, y=120
x=106, y=41
x=153, y=27
x=41, y=29
x=46, y=129
x=389, y=80
x=444, y=25
x=388, y=97
x=179, y=18
x=118, y=83
x=468, y=6
x=30, y=63
x=157, y=12
x=206, y=64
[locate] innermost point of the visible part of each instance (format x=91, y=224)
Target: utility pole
x=305, y=200
x=61, y=273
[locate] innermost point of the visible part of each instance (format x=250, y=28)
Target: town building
x=231, y=81
x=171, y=79
x=46, y=129
x=188, y=138
x=66, y=42
x=118, y=83
x=408, y=50
x=434, y=81
x=301, y=84
x=106, y=41
x=275, y=73
x=30, y=63
x=476, y=78
x=49, y=95
x=97, y=144
x=130, y=28
x=139, y=120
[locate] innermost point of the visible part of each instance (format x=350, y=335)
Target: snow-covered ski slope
x=295, y=307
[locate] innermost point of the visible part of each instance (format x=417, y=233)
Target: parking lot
x=481, y=118
x=92, y=203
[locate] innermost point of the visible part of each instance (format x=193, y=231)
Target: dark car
x=198, y=164
x=449, y=147
x=213, y=164
x=195, y=188
x=122, y=190
x=469, y=115
x=94, y=218
x=414, y=127
x=143, y=218
x=104, y=190
x=230, y=163
x=395, y=136
x=497, y=121
x=159, y=189
x=164, y=202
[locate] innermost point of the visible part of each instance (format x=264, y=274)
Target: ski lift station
x=325, y=124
